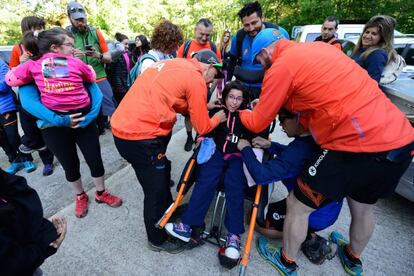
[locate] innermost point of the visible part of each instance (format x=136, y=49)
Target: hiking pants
x=152, y=169
x=206, y=186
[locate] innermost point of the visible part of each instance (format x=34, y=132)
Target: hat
x=76, y=10
x=209, y=57
x=263, y=39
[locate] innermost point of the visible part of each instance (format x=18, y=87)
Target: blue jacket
x=286, y=167
x=374, y=63
x=6, y=93
x=30, y=99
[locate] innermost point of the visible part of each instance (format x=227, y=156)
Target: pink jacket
x=59, y=78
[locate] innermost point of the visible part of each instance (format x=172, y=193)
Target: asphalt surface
x=112, y=241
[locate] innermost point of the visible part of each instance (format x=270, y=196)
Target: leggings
x=62, y=142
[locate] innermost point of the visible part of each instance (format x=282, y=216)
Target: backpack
x=136, y=70
x=392, y=70
x=187, y=47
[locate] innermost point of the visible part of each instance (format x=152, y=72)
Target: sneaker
x=81, y=205
x=232, y=246
x=189, y=143
x=29, y=166
x=111, y=200
x=28, y=150
x=318, y=249
x=272, y=255
x=351, y=267
x=48, y=169
x=179, y=230
x=15, y=167
x=172, y=246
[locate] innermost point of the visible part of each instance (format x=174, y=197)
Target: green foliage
x=139, y=17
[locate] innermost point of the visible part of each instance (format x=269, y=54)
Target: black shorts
x=365, y=177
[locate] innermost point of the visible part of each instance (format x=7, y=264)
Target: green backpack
x=136, y=70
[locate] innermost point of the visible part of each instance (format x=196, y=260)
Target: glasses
x=69, y=45
x=237, y=99
x=75, y=9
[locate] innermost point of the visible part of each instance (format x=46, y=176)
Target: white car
x=5, y=52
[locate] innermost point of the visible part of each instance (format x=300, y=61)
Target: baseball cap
x=76, y=10
x=209, y=57
x=263, y=39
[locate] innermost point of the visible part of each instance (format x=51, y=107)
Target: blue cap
x=263, y=39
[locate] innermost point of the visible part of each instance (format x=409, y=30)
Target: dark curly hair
x=238, y=86
x=166, y=37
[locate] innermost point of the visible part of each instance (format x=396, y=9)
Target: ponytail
x=29, y=42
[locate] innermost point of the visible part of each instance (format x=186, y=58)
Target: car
x=5, y=53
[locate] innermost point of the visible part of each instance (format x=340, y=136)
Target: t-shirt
x=195, y=47
x=59, y=78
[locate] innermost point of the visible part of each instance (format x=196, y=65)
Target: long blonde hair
x=227, y=46
x=386, y=25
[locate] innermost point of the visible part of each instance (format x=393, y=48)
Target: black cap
x=209, y=57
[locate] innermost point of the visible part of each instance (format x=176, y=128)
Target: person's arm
x=30, y=100
x=106, y=55
x=15, y=56
x=232, y=59
x=96, y=101
x=20, y=75
x=180, y=52
x=277, y=148
x=87, y=72
x=277, y=86
x=4, y=88
x=375, y=64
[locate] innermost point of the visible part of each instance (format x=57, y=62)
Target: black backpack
x=187, y=47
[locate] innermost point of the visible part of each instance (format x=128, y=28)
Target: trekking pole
x=246, y=252
x=168, y=213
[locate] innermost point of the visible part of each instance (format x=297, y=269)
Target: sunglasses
x=76, y=9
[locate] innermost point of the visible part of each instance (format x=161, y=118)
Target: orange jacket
x=195, y=47
x=15, y=56
x=344, y=109
x=166, y=88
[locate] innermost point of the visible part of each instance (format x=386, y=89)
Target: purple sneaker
x=179, y=230
x=47, y=169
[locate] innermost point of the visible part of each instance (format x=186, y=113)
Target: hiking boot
x=179, y=230
x=29, y=150
x=318, y=249
x=111, y=200
x=29, y=166
x=189, y=143
x=81, y=205
x=232, y=246
x=48, y=169
x=351, y=266
x=15, y=167
x=172, y=246
x=272, y=255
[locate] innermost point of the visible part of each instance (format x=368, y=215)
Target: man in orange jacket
x=143, y=122
x=365, y=141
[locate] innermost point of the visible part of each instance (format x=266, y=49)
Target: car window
x=5, y=56
x=311, y=36
x=351, y=34
x=409, y=58
x=399, y=48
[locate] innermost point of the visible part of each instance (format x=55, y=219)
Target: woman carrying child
x=66, y=111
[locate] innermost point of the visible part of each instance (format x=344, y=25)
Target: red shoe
x=81, y=205
x=111, y=200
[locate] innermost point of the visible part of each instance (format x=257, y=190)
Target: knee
x=296, y=207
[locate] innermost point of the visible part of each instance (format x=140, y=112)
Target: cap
x=76, y=10
x=209, y=57
x=263, y=39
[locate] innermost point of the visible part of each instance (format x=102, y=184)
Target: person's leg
x=32, y=137
x=189, y=129
x=108, y=101
x=362, y=225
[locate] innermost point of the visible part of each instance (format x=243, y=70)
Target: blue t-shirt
x=374, y=63
x=246, y=50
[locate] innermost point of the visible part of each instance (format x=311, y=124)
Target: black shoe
x=172, y=246
x=189, y=143
x=318, y=249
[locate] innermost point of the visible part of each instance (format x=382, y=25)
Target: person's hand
x=221, y=115
x=78, y=53
x=75, y=119
x=61, y=225
x=92, y=53
x=242, y=144
x=254, y=103
x=24, y=57
x=260, y=142
x=215, y=104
